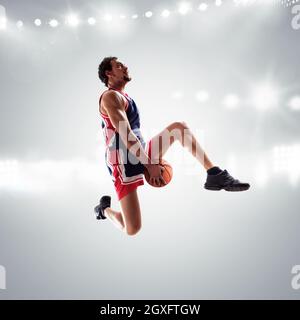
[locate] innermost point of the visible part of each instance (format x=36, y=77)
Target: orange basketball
x=167, y=173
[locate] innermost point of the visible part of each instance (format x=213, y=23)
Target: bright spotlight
x=184, y=8
x=134, y=16
x=37, y=22
x=2, y=18
x=294, y=103
x=231, y=101
x=148, y=14
x=202, y=96
x=203, y=6
x=91, y=21
x=72, y=20
x=20, y=24
x=165, y=13
x=53, y=23
x=218, y=3
x=122, y=16
x=265, y=97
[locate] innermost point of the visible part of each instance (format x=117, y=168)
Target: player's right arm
x=115, y=108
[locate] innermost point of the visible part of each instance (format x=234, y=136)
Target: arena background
x=229, y=69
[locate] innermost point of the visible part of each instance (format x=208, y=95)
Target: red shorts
x=125, y=183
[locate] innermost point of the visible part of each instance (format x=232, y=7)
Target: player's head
x=113, y=72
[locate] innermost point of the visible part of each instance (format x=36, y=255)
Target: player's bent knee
x=184, y=125
x=177, y=131
x=133, y=230
x=133, y=226
x=179, y=125
x=175, y=125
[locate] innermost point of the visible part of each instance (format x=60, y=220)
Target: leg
x=217, y=179
x=178, y=131
x=129, y=219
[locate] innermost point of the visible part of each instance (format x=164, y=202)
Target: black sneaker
x=99, y=209
x=224, y=180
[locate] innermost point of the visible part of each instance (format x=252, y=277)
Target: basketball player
x=121, y=128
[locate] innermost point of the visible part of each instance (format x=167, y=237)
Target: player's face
x=119, y=72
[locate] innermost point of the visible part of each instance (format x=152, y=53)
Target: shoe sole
x=230, y=189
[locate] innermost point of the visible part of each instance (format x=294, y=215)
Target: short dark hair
x=105, y=65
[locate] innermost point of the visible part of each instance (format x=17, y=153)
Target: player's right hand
x=155, y=173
